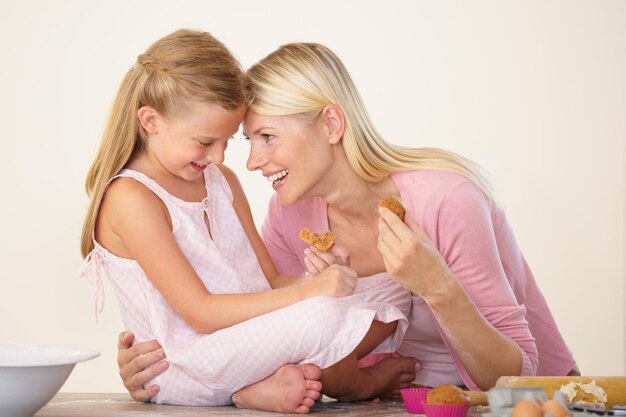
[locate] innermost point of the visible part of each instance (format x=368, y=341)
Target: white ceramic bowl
x=30, y=375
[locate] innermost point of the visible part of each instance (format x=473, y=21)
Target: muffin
x=446, y=401
x=394, y=205
x=322, y=242
x=447, y=394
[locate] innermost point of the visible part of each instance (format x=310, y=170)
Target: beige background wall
x=535, y=91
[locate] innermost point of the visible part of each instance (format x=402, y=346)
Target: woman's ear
x=334, y=123
x=149, y=119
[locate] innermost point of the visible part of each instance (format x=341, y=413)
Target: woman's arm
x=140, y=221
x=139, y=364
x=490, y=337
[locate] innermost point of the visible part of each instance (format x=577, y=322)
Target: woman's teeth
x=276, y=177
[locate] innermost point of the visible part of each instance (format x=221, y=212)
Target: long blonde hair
x=302, y=78
x=179, y=68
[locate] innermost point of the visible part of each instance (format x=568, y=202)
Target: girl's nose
x=218, y=158
x=216, y=154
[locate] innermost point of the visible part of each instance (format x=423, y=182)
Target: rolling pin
x=477, y=397
x=614, y=386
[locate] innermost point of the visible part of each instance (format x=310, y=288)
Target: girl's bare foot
x=292, y=389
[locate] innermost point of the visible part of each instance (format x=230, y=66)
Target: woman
x=477, y=311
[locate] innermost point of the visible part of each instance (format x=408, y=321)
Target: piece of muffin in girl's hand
x=322, y=242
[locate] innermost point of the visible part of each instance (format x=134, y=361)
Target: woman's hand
x=410, y=256
x=316, y=261
x=412, y=259
x=334, y=281
x=138, y=364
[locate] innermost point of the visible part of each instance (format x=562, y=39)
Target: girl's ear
x=149, y=119
x=334, y=123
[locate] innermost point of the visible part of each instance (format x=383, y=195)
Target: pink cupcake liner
x=413, y=399
x=445, y=410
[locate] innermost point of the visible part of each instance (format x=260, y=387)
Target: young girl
x=171, y=228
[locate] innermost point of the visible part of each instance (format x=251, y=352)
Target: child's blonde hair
x=183, y=67
x=302, y=78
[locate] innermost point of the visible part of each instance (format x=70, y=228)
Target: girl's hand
x=138, y=364
x=410, y=256
x=334, y=281
x=316, y=261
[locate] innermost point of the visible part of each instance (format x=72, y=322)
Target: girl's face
x=185, y=144
x=291, y=153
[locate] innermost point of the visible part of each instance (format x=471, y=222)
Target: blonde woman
x=477, y=311
x=170, y=228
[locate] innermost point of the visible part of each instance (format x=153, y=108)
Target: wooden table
x=117, y=405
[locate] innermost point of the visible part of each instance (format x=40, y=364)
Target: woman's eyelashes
x=265, y=136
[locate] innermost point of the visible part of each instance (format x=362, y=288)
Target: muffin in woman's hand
x=394, y=205
x=446, y=401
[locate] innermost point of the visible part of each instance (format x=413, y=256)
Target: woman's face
x=291, y=153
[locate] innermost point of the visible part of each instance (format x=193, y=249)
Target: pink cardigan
x=477, y=242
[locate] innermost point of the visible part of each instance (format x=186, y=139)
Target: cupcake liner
x=413, y=399
x=445, y=410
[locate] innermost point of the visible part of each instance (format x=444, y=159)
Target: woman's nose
x=256, y=159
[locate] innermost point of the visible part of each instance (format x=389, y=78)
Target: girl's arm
x=242, y=208
x=485, y=327
x=140, y=222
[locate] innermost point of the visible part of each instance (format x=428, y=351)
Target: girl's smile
x=198, y=167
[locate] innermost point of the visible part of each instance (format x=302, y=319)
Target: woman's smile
x=278, y=179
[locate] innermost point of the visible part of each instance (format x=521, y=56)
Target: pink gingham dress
x=206, y=369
